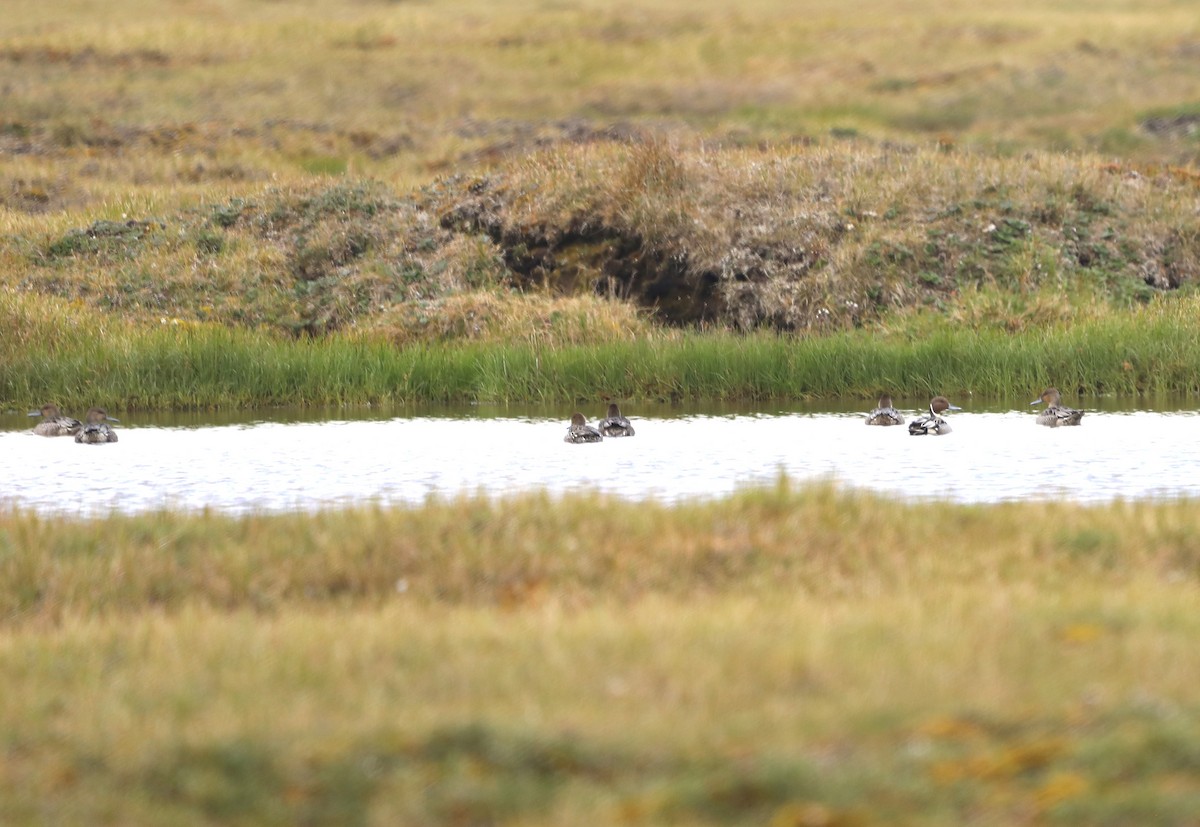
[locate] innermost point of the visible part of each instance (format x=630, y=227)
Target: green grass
x=186, y=366
x=781, y=656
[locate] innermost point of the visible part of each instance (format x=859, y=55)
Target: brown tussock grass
x=491, y=316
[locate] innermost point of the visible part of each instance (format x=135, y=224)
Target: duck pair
x=1054, y=414
x=924, y=425
x=94, y=430
x=612, y=425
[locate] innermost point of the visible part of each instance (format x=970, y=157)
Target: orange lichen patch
x=808, y=814
x=1080, y=633
x=951, y=729
x=1060, y=787
x=521, y=591
x=1185, y=175
x=1006, y=763
x=947, y=772
x=1133, y=169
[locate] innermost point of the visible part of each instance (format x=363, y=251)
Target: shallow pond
x=304, y=460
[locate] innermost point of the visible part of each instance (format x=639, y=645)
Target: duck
x=931, y=423
x=885, y=414
x=1054, y=414
x=96, y=430
x=54, y=422
x=580, y=431
x=614, y=424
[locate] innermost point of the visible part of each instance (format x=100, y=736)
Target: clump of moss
x=311, y=260
x=104, y=240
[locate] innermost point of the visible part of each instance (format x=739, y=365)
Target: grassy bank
x=784, y=657
x=1154, y=349
x=640, y=271
x=547, y=179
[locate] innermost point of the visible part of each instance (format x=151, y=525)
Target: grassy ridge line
x=187, y=366
x=477, y=551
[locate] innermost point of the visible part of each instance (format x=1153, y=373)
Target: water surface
x=297, y=461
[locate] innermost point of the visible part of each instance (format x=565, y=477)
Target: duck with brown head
x=54, y=422
x=931, y=424
x=614, y=424
x=1055, y=414
x=95, y=430
x=580, y=432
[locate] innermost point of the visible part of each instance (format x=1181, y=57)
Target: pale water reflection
x=274, y=466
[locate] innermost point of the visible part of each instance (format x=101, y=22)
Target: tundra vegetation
x=573, y=175
x=240, y=204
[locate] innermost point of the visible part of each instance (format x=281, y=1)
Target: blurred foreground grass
x=781, y=656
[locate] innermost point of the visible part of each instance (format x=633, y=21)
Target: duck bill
x=34, y=413
x=1037, y=401
x=954, y=408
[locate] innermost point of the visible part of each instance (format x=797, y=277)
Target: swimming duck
x=1054, y=414
x=96, y=431
x=885, y=414
x=54, y=423
x=931, y=423
x=614, y=424
x=580, y=431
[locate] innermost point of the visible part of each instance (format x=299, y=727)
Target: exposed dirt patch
x=86, y=57
x=1182, y=125
x=505, y=139
x=209, y=139
x=38, y=194
x=585, y=256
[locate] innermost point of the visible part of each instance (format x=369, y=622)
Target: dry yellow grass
x=195, y=97
x=777, y=654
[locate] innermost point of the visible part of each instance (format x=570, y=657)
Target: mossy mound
x=801, y=239
x=812, y=239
